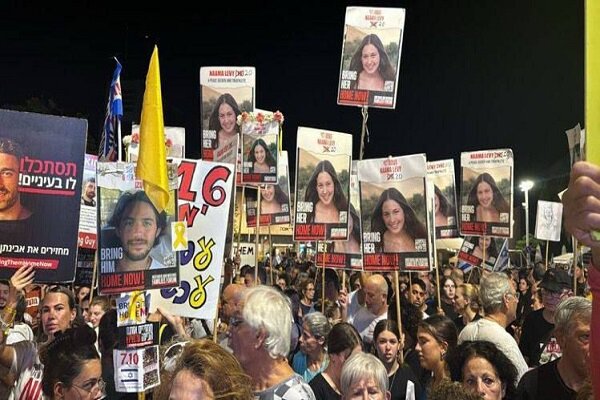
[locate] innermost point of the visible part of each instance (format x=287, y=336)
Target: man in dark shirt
x=562, y=378
x=538, y=344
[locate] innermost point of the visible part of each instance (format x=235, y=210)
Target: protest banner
x=88, y=226
x=274, y=199
x=371, y=51
x=481, y=251
x=548, y=220
x=225, y=93
x=323, y=160
x=394, y=211
x=260, y=146
x=205, y=190
x=441, y=174
x=135, y=239
x=41, y=160
x=136, y=370
x=486, y=193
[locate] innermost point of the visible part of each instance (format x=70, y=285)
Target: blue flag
x=109, y=142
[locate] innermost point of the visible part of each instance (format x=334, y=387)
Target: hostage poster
x=486, y=193
x=345, y=253
x=394, y=213
x=225, y=93
x=323, y=161
x=135, y=239
x=260, y=138
x=41, y=169
x=441, y=175
x=371, y=51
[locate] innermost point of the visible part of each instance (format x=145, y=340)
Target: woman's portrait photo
x=374, y=70
x=488, y=200
x=273, y=200
x=324, y=190
x=445, y=212
x=261, y=158
x=220, y=110
x=398, y=223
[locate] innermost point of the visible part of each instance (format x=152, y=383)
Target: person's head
x=442, y=205
x=107, y=334
x=467, y=297
x=572, y=320
x=393, y=213
x=137, y=224
x=376, y=291
x=231, y=300
x=342, y=342
x=98, y=306
x=315, y=328
x=283, y=281
x=371, y=57
x=485, y=193
x=224, y=115
x=458, y=276
x=89, y=188
x=536, y=300
x=58, y=310
x=436, y=335
x=483, y=369
x=73, y=370
x=364, y=376
x=524, y=285
x=205, y=370
x=451, y=390
x=81, y=293
x=262, y=328
x=325, y=187
x=449, y=288
x=10, y=157
x=355, y=281
x=260, y=153
x=418, y=292
x=4, y=292
x=556, y=285
x=307, y=289
x=84, y=305
x=498, y=295
x=388, y=341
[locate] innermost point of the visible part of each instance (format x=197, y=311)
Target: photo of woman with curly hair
x=372, y=65
x=261, y=158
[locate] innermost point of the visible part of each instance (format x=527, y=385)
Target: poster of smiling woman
x=225, y=93
x=486, y=193
x=394, y=213
x=323, y=161
x=371, y=56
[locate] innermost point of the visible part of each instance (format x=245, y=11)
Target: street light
x=525, y=187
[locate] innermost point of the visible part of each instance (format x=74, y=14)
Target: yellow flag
x=152, y=158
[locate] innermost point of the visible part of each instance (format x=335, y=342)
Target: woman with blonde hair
x=205, y=370
x=467, y=305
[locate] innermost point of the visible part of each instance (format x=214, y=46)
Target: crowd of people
x=281, y=335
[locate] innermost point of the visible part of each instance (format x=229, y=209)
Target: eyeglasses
x=93, y=387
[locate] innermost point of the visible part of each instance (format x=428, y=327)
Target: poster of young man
x=548, y=220
x=394, y=213
x=274, y=199
x=346, y=253
x=486, y=193
x=88, y=227
x=260, y=138
x=204, y=195
x=135, y=238
x=323, y=160
x=371, y=52
x=225, y=93
x=441, y=174
x=41, y=170
x=481, y=251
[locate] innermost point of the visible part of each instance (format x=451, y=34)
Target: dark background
x=474, y=74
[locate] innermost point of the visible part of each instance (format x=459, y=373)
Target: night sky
x=474, y=74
